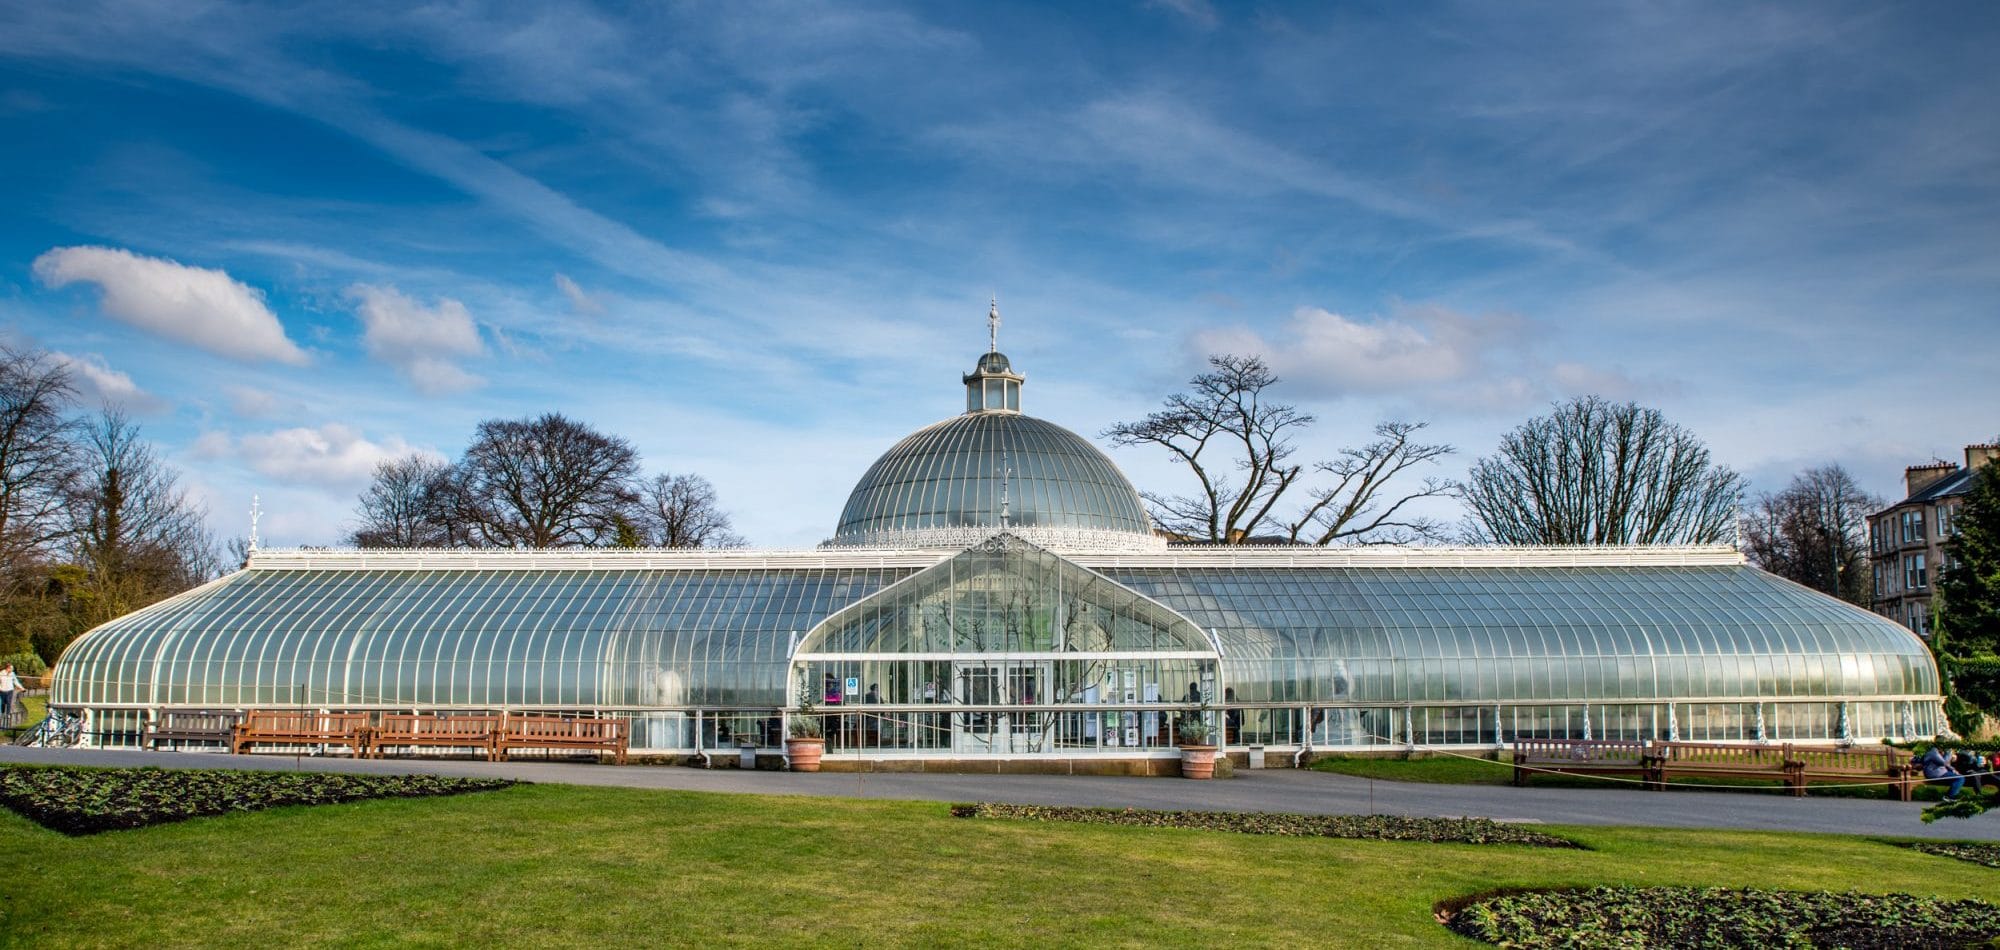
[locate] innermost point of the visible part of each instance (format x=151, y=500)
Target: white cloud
x=1430, y=354
x=107, y=387
x=194, y=305
x=1334, y=354
x=332, y=455
x=578, y=300
x=251, y=402
x=419, y=341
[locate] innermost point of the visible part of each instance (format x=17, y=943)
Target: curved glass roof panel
x=1518, y=634
x=483, y=638
x=954, y=474
x=722, y=636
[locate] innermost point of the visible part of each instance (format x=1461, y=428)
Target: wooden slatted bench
x=1852, y=764
x=589, y=734
x=191, y=725
x=1722, y=760
x=301, y=727
x=1616, y=757
x=460, y=732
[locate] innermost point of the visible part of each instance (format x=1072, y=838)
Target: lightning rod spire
x=993, y=326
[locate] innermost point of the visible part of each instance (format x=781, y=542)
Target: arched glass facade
x=1337, y=654
x=924, y=632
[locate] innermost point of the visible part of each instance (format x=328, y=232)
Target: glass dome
x=990, y=468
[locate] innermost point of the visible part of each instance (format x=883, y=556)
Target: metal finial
x=256, y=514
x=1006, y=479
x=993, y=326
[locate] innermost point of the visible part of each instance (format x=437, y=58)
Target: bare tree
x=37, y=447
x=408, y=504
x=1597, y=472
x=1237, y=443
x=134, y=532
x=543, y=483
x=681, y=511
x=1815, y=532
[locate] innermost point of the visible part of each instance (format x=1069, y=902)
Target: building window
x=1947, y=520
x=1919, y=619
x=1913, y=526
x=1915, y=577
x=1878, y=580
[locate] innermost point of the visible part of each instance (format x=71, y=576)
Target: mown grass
x=550, y=864
x=33, y=708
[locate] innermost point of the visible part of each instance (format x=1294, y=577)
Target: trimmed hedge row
x=1376, y=827
x=81, y=801
x=1607, y=917
x=1977, y=853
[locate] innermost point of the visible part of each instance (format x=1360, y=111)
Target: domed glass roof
x=954, y=474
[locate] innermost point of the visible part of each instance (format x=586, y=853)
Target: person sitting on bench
x=1938, y=771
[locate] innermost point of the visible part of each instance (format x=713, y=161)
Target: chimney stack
x=1979, y=454
x=1916, y=478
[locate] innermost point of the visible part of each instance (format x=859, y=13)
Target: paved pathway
x=1278, y=790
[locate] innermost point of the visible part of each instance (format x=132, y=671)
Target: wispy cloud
x=578, y=300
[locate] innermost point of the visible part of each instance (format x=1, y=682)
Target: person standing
x=10, y=693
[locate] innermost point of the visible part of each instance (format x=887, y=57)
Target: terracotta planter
x=1198, y=761
x=805, y=753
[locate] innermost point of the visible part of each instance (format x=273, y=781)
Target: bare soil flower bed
x=1377, y=827
x=1607, y=917
x=1977, y=853
x=80, y=801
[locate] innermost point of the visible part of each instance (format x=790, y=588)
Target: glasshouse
x=995, y=589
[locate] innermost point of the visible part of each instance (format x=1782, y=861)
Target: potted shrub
x=805, y=745
x=1197, y=737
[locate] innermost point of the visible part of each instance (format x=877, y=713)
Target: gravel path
x=1275, y=790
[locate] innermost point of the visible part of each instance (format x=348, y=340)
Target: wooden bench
x=460, y=732
x=1852, y=764
x=191, y=725
x=1723, y=760
x=301, y=727
x=556, y=732
x=1583, y=757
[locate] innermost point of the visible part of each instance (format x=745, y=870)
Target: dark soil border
x=1360, y=827
x=82, y=801
x=1983, y=853
x=1588, y=918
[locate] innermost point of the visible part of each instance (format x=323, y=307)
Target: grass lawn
x=565, y=865
x=33, y=708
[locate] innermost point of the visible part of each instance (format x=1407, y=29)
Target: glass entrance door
x=1004, y=684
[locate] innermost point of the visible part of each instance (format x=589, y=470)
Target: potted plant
x=804, y=745
x=1197, y=736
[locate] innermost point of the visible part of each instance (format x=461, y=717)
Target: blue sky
x=758, y=239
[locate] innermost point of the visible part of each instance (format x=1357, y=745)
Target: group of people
x=1942, y=766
